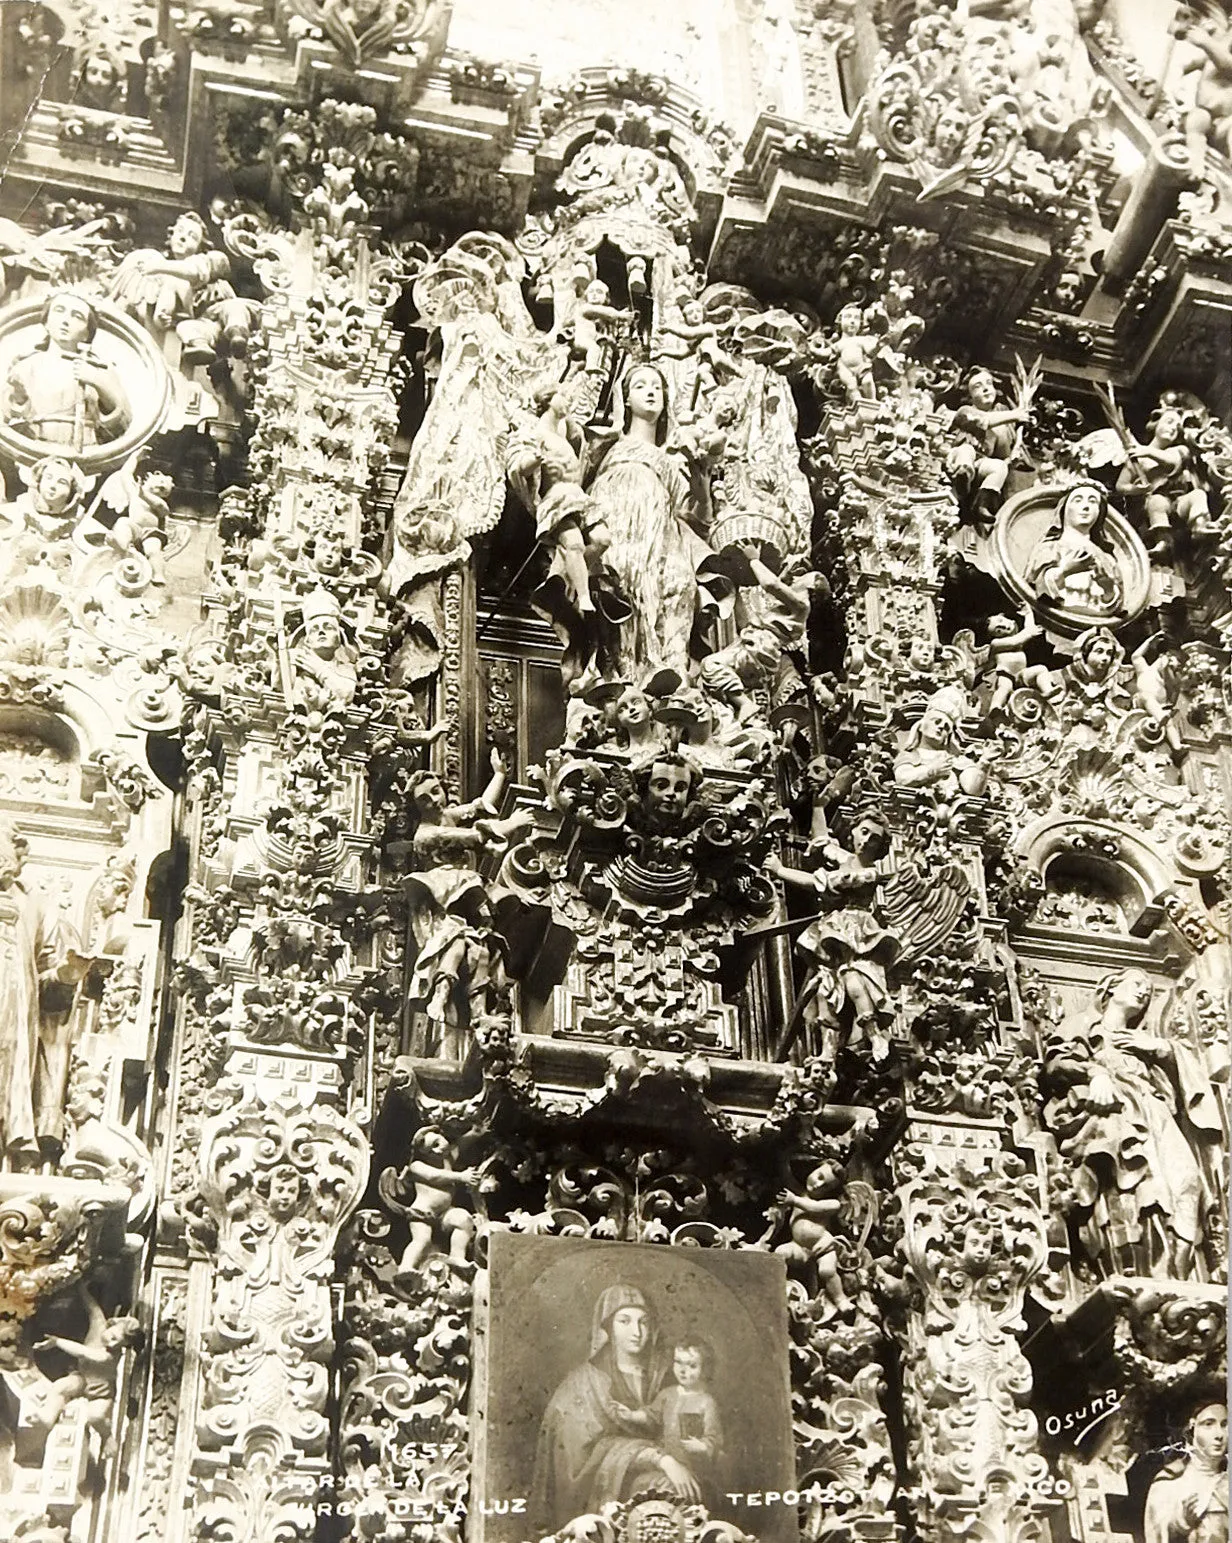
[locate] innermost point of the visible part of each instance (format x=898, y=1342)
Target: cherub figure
x=812, y=1242
x=1209, y=120
x=187, y=289
x=97, y=1358
x=596, y=326
x=1155, y=683
x=696, y=337
x=1159, y=478
x=1008, y=650
x=137, y=501
x=986, y=439
x=51, y=505
x=435, y=1218
x=629, y=711
x=854, y=354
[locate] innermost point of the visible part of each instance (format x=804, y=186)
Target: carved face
x=113, y=893
x=1067, y=289
x=850, y=320
x=185, y=238
x=936, y=727
x=669, y=789
x=597, y=292
x=633, y=709
x=1133, y=992
x=1080, y=510
x=55, y=486
x=687, y=1366
x=1099, y=656
x=284, y=1187
x=10, y=860
x=692, y=313
x=98, y=76
x=68, y=321
x=157, y=484
x=821, y=1181
x=982, y=390
x=323, y=636
x=432, y=1144
x=1168, y=427
x=429, y=797
x=977, y=1248
x=646, y=399
x=1210, y=1433
x=629, y=1331
x=867, y=837
x=950, y=133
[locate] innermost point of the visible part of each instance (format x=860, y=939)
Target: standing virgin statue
x=655, y=554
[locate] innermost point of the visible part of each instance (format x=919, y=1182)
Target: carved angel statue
x=96, y=1359
x=459, y=966
x=1160, y=479
x=876, y=912
x=425, y=1191
x=986, y=439
x=828, y=1197
x=186, y=289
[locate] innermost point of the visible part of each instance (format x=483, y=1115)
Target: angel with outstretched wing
x=829, y=1197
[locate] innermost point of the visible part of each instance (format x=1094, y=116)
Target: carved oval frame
x=151, y=404
x=1038, y=505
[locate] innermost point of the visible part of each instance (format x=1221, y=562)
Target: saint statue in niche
x=654, y=553
x=61, y=392
x=1128, y=1108
x=1069, y=554
x=39, y=970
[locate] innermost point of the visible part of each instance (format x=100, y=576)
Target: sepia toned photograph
x=615, y=1370
x=615, y=770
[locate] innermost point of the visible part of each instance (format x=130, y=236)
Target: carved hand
x=1101, y=1095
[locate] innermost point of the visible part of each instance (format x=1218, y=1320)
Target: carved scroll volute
x=279, y=1181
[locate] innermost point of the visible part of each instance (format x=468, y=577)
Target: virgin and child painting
x=614, y=1370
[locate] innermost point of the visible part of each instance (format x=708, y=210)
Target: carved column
x=973, y=1239
x=279, y=945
